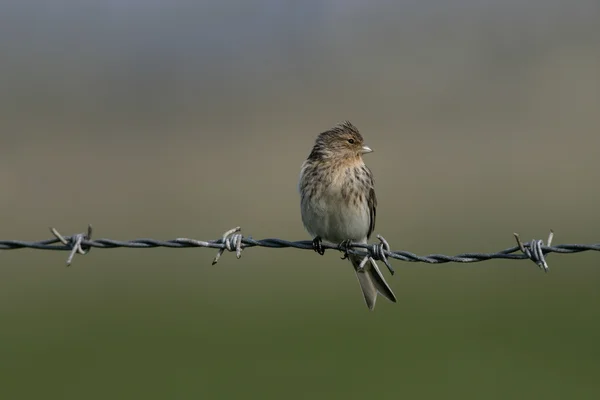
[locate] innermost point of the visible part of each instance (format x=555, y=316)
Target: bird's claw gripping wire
x=345, y=247
x=317, y=245
x=375, y=251
x=533, y=250
x=74, y=242
x=232, y=241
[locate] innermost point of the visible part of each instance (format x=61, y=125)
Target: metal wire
x=232, y=240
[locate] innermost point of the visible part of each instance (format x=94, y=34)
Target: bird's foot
x=317, y=245
x=344, y=247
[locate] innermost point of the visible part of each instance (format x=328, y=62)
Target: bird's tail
x=371, y=281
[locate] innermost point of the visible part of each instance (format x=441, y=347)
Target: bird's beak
x=366, y=149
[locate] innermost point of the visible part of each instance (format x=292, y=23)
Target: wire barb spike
x=75, y=242
x=378, y=252
x=534, y=250
x=232, y=241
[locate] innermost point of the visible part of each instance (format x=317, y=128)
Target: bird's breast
x=334, y=205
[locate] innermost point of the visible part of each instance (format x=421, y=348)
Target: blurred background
x=170, y=119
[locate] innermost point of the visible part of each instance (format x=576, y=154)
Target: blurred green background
x=166, y=119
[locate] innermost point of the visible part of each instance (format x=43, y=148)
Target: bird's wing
x=372, y=204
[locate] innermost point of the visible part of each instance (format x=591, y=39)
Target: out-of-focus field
x=166, y=120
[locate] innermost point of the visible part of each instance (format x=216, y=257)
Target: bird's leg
x=317, y=245
x=344, y=247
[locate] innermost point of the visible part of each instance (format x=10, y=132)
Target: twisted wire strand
x=233, y=241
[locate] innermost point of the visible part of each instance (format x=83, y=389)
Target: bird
x=338, y=202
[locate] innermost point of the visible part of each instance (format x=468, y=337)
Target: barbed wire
x=233, y=240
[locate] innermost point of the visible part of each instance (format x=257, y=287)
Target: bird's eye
x=351, y=141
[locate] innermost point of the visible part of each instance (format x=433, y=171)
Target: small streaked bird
x=338, y=203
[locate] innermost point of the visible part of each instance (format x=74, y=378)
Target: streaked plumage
x=338, y=200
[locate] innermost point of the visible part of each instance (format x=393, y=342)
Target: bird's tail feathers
x=371, y=281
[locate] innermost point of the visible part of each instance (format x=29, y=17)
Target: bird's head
x=343, y=141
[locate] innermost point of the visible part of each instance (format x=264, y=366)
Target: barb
x=74, y=242
x=232, y=240
x=534, y=250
